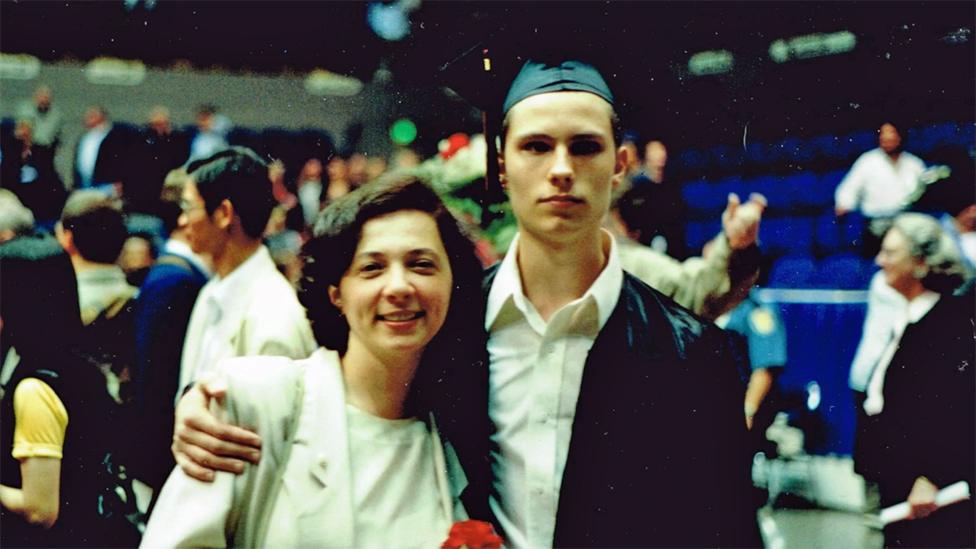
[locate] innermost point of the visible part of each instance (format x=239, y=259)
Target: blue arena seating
x=705, y=199
x=792, y=272
x=834, y=235
x=697, y=233
x=786, y=235
x=846, y=271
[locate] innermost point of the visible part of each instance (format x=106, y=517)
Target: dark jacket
x=162, y=313
x=114, y=161
x=658, y=455
x=928, y=424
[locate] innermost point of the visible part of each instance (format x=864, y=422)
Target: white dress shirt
x=883, y=306
x=536, y=368
x=88, y=146
x=911, y=313
x=878, y=186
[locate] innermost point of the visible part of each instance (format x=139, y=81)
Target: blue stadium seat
x=705, y=199
x=821, y=193
x=757, y=153
x=792, y=272
x=857, y=143
x=966, y=134
x=725, y=157
x=827, y=146
x=834, y=235
x=845, y=271
x=697, y=233
x=786, y=235
x=691, y=159
x=802, y=189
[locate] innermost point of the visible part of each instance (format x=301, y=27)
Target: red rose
x=472, y=534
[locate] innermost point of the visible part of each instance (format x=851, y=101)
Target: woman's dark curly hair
x=460, y=343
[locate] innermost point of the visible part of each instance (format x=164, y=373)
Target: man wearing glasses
x=248, y=307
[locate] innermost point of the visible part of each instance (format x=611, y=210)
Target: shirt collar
x=226, y=291
x=921, y=305
x=102, y=274
x=182, y=249
x=507, y=286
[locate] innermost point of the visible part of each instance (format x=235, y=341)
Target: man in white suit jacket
x=248, y=307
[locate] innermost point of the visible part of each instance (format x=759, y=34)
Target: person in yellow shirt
x=57, y=405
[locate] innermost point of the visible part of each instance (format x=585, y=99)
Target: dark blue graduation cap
x=537, y=77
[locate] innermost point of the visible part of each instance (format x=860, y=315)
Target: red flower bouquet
x=472, y=534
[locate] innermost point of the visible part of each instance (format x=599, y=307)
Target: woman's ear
x=335, y=298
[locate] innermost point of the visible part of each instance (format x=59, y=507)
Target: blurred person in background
x=404, y=158
x=375, y=167
x=310, y=190
x=45, y=118
x=247, y=308
x=656, y=209
x=138, y=254
x=27, y=169
x=708, y=285
x=338, y=173
x=917, y=420
x=950, y=192
x=55, y=414
x=879, y=184
x=356, y=169
x=211, y=133
x=103, y=154
x=162, y=313
x=92, y=231
x=15, y=219
x=161, y=149
x=759, y=338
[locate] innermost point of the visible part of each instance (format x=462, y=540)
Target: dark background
x=913, y=60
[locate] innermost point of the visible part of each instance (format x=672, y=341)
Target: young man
x=247, y=308
x=617, y=414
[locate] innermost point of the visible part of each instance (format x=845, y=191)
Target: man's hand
x=202, y=443
x=740, y=222
x=922, y=498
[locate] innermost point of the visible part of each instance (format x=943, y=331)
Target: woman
x=55, y=412
x=352, y=454
x=916, y=423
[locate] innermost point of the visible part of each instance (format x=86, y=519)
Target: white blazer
x=260, y=315
x=273, y=396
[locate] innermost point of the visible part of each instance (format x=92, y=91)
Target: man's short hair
x=239, y=176
x=96, y=224
x=14, y=216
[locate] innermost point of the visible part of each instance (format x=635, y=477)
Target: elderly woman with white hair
x=916, y=423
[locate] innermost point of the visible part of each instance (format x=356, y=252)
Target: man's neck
x=554, y=274
x=83, y=265
x=234, y=254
